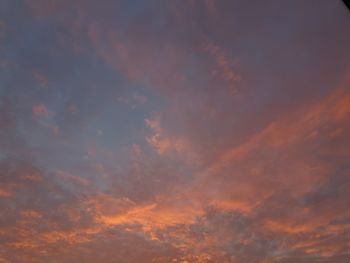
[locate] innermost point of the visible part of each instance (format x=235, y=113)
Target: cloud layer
x=200, y=131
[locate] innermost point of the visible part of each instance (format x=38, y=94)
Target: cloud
x=194, y=132
x=160, y=142
x=40, y=110
x=41, y=78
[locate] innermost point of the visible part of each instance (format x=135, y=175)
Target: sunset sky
x=159, y=131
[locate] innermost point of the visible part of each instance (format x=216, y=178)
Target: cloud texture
x=168, y=131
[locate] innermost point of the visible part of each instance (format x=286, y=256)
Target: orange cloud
x=40, y=110
x=223, y=66
x=261, y=176
x=5, y=193
x=161, y=142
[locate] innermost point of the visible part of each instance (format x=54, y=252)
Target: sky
x=195, y=131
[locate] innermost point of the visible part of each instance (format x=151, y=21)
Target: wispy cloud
x=200, y=131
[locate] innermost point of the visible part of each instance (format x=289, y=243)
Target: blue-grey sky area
x=194, y=131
